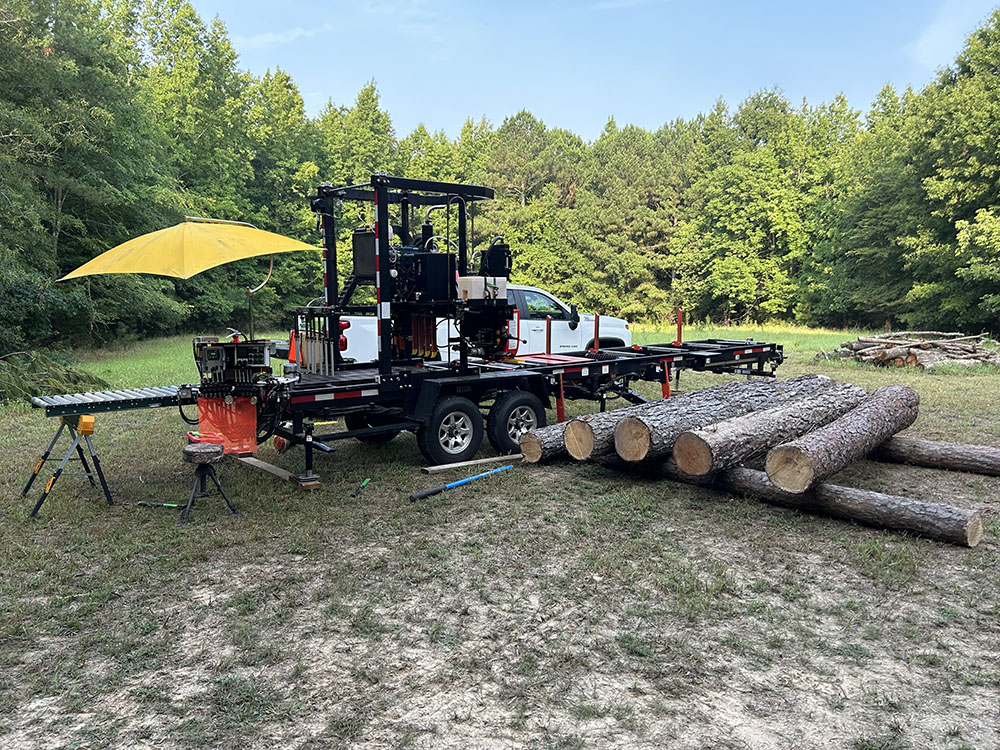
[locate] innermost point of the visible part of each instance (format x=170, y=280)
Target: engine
x=425, y=287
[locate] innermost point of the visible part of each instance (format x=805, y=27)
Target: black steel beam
x=429, y=186
x=383, y=287
x=330, y=194
x=463, y=241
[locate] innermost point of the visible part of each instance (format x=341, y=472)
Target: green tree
x=857, y=273
x=956, y=151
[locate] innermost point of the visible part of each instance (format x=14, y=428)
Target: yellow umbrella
x=193, y=246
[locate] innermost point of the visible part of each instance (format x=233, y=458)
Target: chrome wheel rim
x=521, y=420
x=455, y=432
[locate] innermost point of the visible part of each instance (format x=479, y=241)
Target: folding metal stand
x=81, y=427
x=203, y=456
x=203, y=473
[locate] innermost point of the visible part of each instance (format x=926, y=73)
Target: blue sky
x=574, y=64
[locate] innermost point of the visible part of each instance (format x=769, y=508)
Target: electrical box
x=482, y=287
x=364, y=253
x=232, y=362
x=435, y=275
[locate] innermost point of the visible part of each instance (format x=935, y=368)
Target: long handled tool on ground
x=457, y=483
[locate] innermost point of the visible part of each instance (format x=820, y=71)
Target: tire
x=513, y=413
x=453, y=433
x=362, y=421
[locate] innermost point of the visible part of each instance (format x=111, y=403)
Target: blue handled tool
x=457, y=483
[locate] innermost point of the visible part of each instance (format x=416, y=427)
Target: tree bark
x=975, y=459
x=544, y=443
x=896, y=351
x=644, y=433
x=728, y=443
x=593, y=435
x=808, y=460
x=942, y=522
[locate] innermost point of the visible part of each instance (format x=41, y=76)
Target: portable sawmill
x=412, y=276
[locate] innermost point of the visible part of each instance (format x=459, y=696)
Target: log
x=730, y=442
x=892, y=353
x=975, y=459
x=957, y=362
x=641, y=434
x=884, y=340
x=543, y=443
x=926, y=359
x=945, y=523
x=806, y=461
x=925, y=334
x=974, y=337
x=862, y=344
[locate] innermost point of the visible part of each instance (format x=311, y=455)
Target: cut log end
x=789, y=469
x=632, y=439
x=531, y=447
x=974, y=530
x=579, y=440
x=693, y=455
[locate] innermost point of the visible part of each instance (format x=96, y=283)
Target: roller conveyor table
x=100, y=402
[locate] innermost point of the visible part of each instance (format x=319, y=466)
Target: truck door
x=537, y=306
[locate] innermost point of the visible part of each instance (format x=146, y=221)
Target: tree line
x=118, y=117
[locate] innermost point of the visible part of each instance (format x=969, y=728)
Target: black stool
x=203, y=455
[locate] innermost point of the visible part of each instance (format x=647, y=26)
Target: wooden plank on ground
x=475, y=462
x=303, y=483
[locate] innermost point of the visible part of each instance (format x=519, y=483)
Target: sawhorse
x=81, y=427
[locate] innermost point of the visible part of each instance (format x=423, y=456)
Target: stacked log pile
x=924, y=350
x=595, y=435
x=807, y=429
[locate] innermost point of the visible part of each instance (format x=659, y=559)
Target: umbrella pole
x=250, y=307
x=252, y=292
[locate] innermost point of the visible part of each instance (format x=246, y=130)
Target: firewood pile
x=924, y=350
x=804, y=430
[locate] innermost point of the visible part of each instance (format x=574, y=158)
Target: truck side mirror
x=574, y=317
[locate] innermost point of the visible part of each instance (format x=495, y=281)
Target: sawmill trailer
x=411, y=275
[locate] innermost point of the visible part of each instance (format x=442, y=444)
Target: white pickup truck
x=534, y=305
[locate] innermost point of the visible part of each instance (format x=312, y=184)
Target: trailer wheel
x=362, y=421
x=453, y=433
x=513, y=414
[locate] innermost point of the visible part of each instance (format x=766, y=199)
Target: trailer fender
x=430, y=394
x=475, y=387
x=534, y=384
x=537, y=387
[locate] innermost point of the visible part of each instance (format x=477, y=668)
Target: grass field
x=561, y=606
